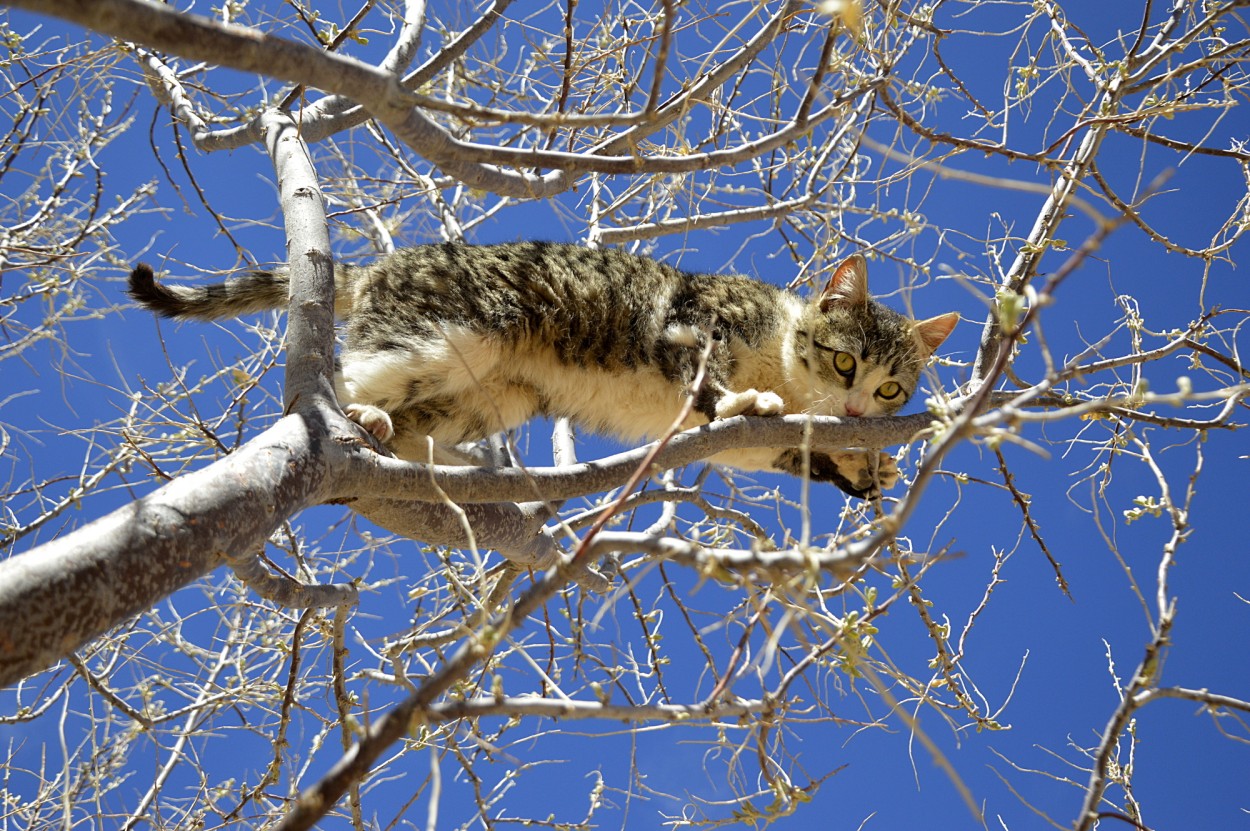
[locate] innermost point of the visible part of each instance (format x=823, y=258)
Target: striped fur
x=455, y=342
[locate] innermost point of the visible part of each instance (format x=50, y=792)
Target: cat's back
x=591, y=306
x=479, y=281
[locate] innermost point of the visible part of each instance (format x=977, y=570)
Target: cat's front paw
x=749, y=402
x=375, y=420
x=768, y=403
x=854, y=467
x=850, y=470
x=887, y=470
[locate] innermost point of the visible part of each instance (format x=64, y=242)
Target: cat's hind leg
x=375, y=420
x=444, y=361
x=360, y=400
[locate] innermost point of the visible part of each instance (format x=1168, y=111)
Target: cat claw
x=375, y=420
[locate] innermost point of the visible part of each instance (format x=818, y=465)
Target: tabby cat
x=456, y=342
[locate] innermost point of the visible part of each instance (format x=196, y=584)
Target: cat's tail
x=250, y=292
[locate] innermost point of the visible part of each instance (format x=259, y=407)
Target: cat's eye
x=844, y=363
x=890, y=389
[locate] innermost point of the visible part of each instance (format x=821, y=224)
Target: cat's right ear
x=849, y=284
x=933, y=331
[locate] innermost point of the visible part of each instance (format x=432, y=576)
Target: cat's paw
x=768, y=403
x=887, y=470
x=375, y=420
x=749, y=402
x=854, y=466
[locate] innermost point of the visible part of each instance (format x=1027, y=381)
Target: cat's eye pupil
x=844, y=363
x=890, y=389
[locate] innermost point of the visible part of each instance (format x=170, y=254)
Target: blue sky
x=1042, y=653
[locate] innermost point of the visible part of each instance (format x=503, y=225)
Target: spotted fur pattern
x=454, y=342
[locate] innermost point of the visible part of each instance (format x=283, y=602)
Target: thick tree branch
x=382, y=94
x=127, y=561
x=381, y=476
x=310, y=312
x=515, y=531
x=237, y=47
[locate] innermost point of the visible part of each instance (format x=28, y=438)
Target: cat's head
x=857, y=357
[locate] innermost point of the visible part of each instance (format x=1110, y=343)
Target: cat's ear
x=849, y=284
x=934, y=330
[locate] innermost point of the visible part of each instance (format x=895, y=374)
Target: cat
x=456, y=342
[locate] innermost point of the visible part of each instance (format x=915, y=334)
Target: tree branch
x=125, y=562
x=381, y=476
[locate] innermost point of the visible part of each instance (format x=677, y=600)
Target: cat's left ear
x=849, y=284
x=934, y=330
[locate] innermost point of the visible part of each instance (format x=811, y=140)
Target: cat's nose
x=853, y=412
